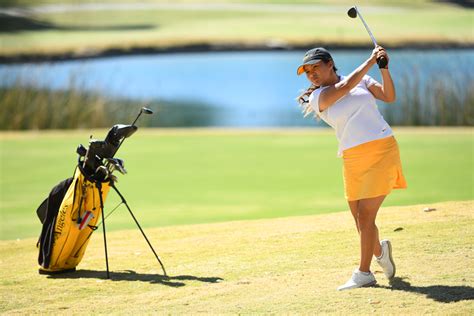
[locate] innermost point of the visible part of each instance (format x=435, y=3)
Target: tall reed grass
x=446, y=102
x=27, y=106
x=439, y=102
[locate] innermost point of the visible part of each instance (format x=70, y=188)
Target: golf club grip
x=382, y=62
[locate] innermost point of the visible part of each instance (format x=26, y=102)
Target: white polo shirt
x=355, y=116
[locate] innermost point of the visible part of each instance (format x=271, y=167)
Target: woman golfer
x=372, y=166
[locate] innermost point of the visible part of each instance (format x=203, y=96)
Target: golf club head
x=121, y=169
x=116, y=164
x=113, y=178
x=101, y=173
x=146, y=110
x=81, y=150
x=98, y=149
x=352, y=12
x=118, y=132
x=142, y=110
x=110, y=165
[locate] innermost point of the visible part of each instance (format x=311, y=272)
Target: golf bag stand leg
x=139, y=227
x=99, y=188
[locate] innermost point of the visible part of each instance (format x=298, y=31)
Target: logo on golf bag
x=61, y=221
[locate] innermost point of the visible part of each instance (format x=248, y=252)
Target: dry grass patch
x=261, y=266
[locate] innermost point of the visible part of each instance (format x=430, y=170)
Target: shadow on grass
x=13, y=24
x=439, y=293
x=130, y=275
x=467, y=4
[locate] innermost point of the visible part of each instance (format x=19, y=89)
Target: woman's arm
x=334, y=92
x=385, y=92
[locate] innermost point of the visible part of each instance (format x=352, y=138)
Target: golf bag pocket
x=68, y=233
x=47, y=213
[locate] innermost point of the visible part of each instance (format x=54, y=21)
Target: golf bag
x=69, y=216
x=71, y=212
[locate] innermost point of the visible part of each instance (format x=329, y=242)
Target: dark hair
x=326, y=60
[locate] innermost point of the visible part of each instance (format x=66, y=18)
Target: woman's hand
x=382, y=54
x=386, y=90
x=373, y=56
x=377, y=53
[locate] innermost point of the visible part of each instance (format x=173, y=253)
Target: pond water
x=242, y=89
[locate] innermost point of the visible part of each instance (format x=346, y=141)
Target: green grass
x=85, y=31
x=278, y=266
x=315, y=2
x=200, y=176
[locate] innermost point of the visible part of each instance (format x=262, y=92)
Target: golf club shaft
x=382, y=61
x=367, y=27
x=137, y=117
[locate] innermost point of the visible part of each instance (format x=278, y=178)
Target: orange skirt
x=372, y=169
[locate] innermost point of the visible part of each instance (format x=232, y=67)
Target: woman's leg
x=377, y=247
x=369, y=243
x=354, y=206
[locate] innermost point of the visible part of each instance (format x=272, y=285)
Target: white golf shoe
x=385, y=260
x=358, y=279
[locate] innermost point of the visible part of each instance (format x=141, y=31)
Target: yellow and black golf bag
x=71, y=212
x=69, y=216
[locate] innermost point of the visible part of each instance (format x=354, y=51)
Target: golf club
x=102, y=149
x=113, y=164
x=142, y=110
x=353, y=12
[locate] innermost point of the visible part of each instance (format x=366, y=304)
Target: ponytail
x=303, y=101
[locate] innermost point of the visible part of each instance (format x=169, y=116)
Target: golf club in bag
x=71, y=212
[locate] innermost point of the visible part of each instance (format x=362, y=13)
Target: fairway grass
x=89, y=32
x=190, y=176
x=284, y=265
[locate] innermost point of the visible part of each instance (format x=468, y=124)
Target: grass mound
x=279, y=265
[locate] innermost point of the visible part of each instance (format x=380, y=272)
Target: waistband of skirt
x=381, y=144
